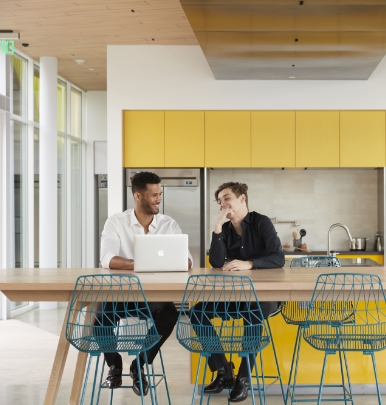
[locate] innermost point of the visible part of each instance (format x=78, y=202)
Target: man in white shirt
x=117, y=252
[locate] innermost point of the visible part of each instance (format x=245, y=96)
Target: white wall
x=96, y=131
x=179, y=78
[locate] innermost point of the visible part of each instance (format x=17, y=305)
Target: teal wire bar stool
x=96, y=297
x=326, y=328
x=225, y=318
x=295, y=313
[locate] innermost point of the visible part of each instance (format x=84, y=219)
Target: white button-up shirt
x=119, y=230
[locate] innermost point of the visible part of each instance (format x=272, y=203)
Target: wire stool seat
x=225, y=318
x=327, y=331
x=109, y=314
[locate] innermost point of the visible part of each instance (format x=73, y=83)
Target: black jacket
x=259, y=243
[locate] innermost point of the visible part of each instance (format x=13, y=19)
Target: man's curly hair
x=140, y=180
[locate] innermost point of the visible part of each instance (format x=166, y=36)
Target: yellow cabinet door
x=143, y=138
x=227, y=138
x=273, y=139
x=184, y=139
x=317, y=138
x=362, y=138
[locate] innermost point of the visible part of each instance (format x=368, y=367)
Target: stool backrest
x=295, y=312
x=229, y=304
x=106, y=312
x=364, y=292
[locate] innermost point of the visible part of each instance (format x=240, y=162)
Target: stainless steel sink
x=357, y=262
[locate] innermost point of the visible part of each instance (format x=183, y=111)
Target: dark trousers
x=218, y=360
x=165, y=316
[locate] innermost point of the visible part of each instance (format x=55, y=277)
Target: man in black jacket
x=248, y=241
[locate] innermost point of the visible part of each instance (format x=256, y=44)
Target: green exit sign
x=8, y=47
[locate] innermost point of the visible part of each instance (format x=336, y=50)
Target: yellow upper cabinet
x=317, y=139
x=144, y=138
x=273, y=138
x=184, y=139
x=362, y=138
x=227, y=138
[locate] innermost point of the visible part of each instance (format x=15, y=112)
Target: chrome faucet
x=329, y=233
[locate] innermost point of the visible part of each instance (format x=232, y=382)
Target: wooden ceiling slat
x=82, y=29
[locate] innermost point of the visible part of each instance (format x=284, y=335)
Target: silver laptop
x=154, y=253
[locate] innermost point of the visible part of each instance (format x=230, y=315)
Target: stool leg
x=95, y=380
x=376, y=378
x=164, y=374
x=347, y=373
x=322, y=378
x=85, y=380
x=251, y=382
x=343, y=379
x=276, y=361
x=140, y=380
x=294, y=365
x=208, y=400
x=149, y=377
x=100, y=383
x=203, y=382
x=262, y=373
x=196, y=382
x=154, y=383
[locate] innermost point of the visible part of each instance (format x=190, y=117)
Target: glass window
x=36, y=93
x=62, y=202
x=76, y=204
x=19, y=85
x=76, y=113
x=19, y=132
x=62, y=105
x=20, y=189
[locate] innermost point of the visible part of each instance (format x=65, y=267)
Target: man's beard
x=148, y=208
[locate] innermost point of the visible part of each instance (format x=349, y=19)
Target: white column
x=48, y=169
x=6, y=211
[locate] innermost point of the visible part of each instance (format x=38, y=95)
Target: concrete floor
x=27, y=349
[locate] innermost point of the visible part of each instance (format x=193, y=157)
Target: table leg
x=78, y=378
x=81, y=362
x=58, y=366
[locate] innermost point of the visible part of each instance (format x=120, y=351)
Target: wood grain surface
x=284, y=284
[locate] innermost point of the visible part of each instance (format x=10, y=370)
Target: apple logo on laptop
x=161, y=252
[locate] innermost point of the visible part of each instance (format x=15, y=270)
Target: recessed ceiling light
x=292, y=77
x=90, y=68
x=79, y=61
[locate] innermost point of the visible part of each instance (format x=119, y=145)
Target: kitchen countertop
x=341, y=252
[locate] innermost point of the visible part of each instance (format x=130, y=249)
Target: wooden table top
x=284, y=284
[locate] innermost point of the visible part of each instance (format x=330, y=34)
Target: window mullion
x=30, y=209
x=68, y=204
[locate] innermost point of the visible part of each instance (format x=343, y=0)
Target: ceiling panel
x=334, y=37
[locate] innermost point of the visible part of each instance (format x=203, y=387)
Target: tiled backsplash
x=315, y=198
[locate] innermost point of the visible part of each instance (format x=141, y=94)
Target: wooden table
x=284, y=284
